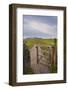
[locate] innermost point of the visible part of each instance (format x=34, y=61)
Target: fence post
x=37, y=54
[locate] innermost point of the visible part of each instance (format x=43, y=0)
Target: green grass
x=29, y=71
x=53, y=68
x=44, y=47
x=31, y=42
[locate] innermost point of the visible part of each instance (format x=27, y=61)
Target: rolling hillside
x=31, y=41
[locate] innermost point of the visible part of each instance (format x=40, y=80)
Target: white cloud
x=42, y=27
x=45, y=28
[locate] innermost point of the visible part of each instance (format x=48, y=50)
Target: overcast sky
x=40, y=26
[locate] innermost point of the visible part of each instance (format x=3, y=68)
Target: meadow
x=31, y=41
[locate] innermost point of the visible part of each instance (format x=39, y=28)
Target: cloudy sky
x=40, y=26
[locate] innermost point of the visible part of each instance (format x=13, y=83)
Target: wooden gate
x=42, y=58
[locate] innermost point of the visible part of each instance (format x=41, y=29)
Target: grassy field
x=32, y=41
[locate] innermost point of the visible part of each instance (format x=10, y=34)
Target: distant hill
x=31, y=41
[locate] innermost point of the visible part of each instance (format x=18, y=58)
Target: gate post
x=53, y=59
x=37, y=54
